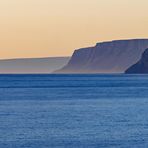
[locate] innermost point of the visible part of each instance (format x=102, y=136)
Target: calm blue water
x=73, y=111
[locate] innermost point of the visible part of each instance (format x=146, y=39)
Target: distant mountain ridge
x=32, y=65
x=106, y=57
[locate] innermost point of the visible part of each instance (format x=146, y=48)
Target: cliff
x=141, y=67
x=106, y=57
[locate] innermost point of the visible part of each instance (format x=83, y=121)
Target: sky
x=47, y=28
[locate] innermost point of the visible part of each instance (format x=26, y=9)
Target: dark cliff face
x=140, y=67
x=106, y=57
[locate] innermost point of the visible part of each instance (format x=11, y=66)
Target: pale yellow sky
x=42, y=28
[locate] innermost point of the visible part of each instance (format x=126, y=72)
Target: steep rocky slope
x=106, y=57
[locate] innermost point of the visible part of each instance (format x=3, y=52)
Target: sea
x=73, y=111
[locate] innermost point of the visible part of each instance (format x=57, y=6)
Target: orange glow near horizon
x=46, y=28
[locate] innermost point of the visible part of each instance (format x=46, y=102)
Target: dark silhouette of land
x=141, y=67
